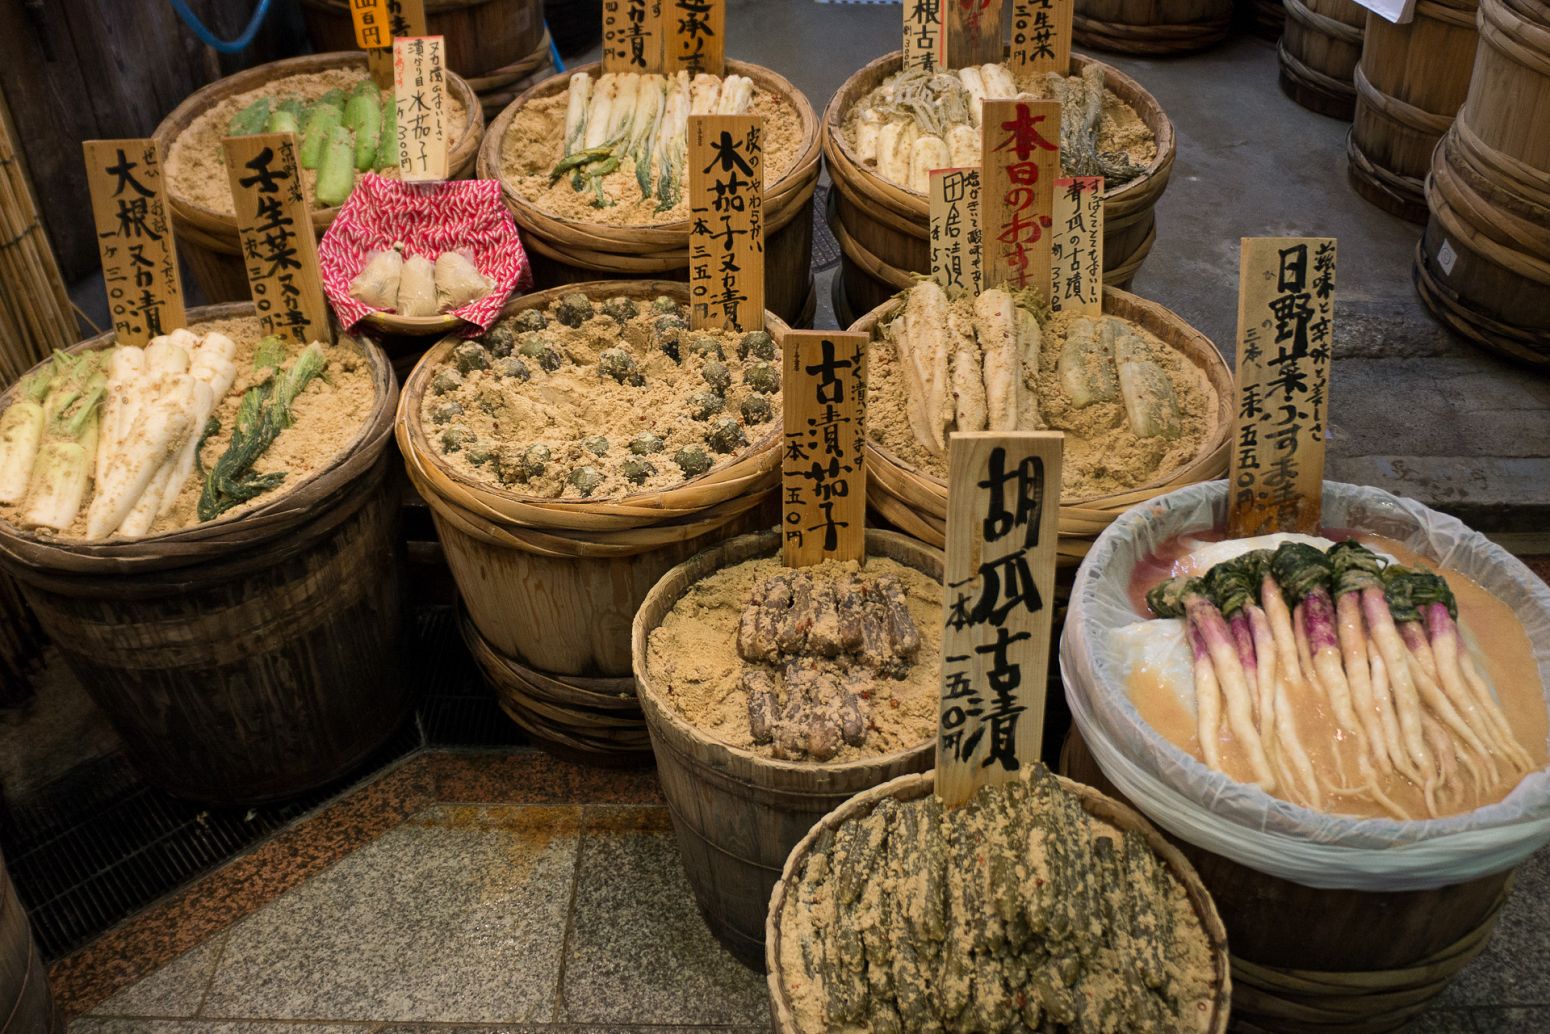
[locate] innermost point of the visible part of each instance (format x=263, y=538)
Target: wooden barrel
x=1316, y=961
x=21, y=642
x=252, y=657
x=882, y=228
x=1483, y=266
x=1319, y=49
x=914, y=787
x=1264, y=18
x=554, y=584
x=915, y=501
x=1151, y=26
x=567, y=251
x=26, y=1007
x=576, y=24
x=1410, y=82
x=207, y=239
x=738, y=814
x=483, y=36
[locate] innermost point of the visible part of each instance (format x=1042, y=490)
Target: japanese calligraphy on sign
x=1003, y=508
x=279, y=247
x=1286, y=318
x=1076, y=245
x=134, y=237
x=823, y=477
x=372, y=29
x=726, y=222
x=696, y=36
x=923, y=34
x=420, y=91
x=401, y=18
x=1018, y=168
x=632, y=36
x=1041, y=37
x=955, y=228
x=973, y=32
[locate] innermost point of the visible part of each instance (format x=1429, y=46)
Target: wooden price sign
x=134, y=237
x=1286, y=318
x=633, y=36
x=420, y=93
x=378, y=23
x=1019, y=164
x=726, y=222
x=923, y=34
x=696, y=36
x=1076, y=245
x=1041, y=37
x=955, y=228
x=973, y=32
x=1003, y=510
x=279, y=245
x=823, y=473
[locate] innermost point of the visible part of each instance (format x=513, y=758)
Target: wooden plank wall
x=74, y=70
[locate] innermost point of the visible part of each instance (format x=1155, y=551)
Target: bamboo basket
x=916, y=502
x=1409, y=84
x=1483, y=266
x=207, y=239
x=882, y=228
x=1319, y=51
x=554, y=583
x=1312, y=961
x=26, y=1007
x=571, y=250
x=915, y=787
x=484, y=37
x=1151, y=26
x=738, y=814
x=252, y=657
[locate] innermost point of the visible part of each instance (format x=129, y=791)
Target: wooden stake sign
x=726, y=222
x=1041, y=37
x=420, y=92
x=1018, y=168
x=633, y=36
x=279, y=246
x=923, y=35
x=973, y=32
x=955, y=228
x=1003, y=510
x=1076, y=246
x=696, y=36
x=134, y=237
x=372, y=28
x=402, y=18
x=823, y=473
x=1286, y=318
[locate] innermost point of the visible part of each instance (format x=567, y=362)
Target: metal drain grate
x=99, y=845
x=826, y=250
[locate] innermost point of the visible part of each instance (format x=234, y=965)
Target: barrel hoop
x=1404, y=188
x=1530, y=346
x=1468, y=217
x=1312, y=76
x=1518, y=39
x=1517, y=174
x=1460, y=14
x=1358, y=1001
x=1408, y=115
x=1324, y=24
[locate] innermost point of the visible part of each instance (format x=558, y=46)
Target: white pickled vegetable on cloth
x=599, y=112
x=736, y=95
x=974, y=83
x=1151, y=406
x=120, y=406
x=964, y=145
x=215, y=345
x=164, y=422
x=376, y=284
x=999, y=84
x=895, y=145
x=1086, y=365
x=926, y=153
x=704, y=94
x=214, y=373
x=920, y=337
x=417, y=287
x=995, y=326
x=458, y=280
x=577, y=97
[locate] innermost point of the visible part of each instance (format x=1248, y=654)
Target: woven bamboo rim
x=645, y=250
x=1461, y=317
x=1401, y=195
x=910, y=497
x=904, y=210
x=1471, y=204
x=1310, y=77
x=1174, y=38
x=1324, y=25
x=1366, y=1002
x=1406, y=114
x=294, y=504
x=635, y=522
x=915, y=787
x=219, y=230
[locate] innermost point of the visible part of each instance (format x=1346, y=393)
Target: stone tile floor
x=575, y=919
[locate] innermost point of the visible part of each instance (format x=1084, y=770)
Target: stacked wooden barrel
x=1319, y=51
x=1409, y=85
x=1151, y=26
x=1483, y=266
x=26, y=1007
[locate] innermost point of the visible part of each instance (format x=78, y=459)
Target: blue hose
x=554, y=51
x=208, y=39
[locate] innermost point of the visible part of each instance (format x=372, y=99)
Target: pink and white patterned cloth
x=427, y=219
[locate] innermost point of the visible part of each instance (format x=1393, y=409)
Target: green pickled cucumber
x=282, y=121
x=322, y=119
x=336, y=171
x=363, y=117
x=250, y=119
x=387, y=146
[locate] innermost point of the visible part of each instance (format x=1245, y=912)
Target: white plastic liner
x=1242, y=822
